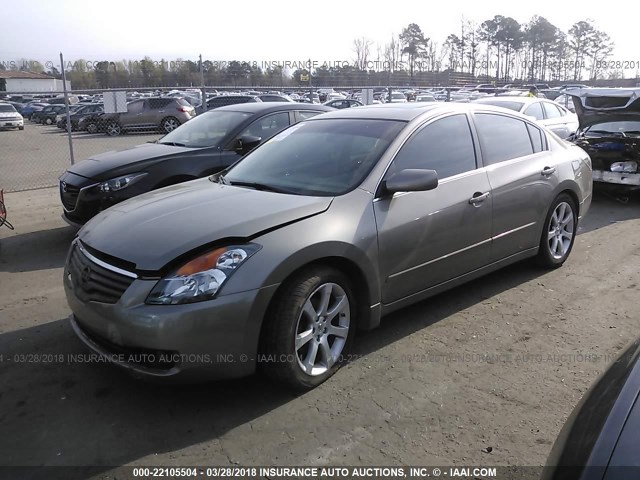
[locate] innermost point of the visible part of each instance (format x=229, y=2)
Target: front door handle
x=478, y=198
x=546, y=171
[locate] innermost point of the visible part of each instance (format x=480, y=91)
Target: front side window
x=320, y=157
x=445, y=146
x=135, y=107
x=502, y=138
x=205, y=130
x=268, y=126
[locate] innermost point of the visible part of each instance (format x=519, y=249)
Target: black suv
x=47, y=116
x=207, y=144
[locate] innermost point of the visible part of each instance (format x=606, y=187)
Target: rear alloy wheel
x=48, y=121
x=169, y=124
x=309, y=329
x=559, y=232
x=92, y=128
x=113, y=129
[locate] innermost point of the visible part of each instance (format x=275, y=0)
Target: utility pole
x=66, y=104
x=202, y=89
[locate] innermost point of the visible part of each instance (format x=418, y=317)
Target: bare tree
x=362, y=47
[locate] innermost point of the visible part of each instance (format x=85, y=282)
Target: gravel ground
x=499, y=362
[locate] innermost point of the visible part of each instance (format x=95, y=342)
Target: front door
x=426, y=238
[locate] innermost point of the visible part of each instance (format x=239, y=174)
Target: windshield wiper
x=256, y=185
x=174, y=144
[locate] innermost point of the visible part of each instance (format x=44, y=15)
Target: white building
x=13, y=81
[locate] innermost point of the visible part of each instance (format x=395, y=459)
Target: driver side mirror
x=246, y=143
x=410, y=180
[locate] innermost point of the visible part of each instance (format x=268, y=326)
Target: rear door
x=134, y=115
x=426, y=238
x=523, y=177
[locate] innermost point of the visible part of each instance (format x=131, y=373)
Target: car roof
x=508, y=98
x=268, y=107
x=386, y=111
x=408, y=111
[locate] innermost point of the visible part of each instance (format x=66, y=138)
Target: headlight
x=58, y=118
x=201, y=278
x=625, y=167
x=119, y=183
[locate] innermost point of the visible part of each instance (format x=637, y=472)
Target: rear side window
x=551, y=110
x=304, y=114
x=536, y=138
x=445, y=146
x=155, y=103
x=502, y=138
x=535, y=110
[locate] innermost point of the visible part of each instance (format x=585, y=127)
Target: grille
x=94, y=283
x=70, y=197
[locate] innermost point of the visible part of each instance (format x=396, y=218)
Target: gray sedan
x=275, y=263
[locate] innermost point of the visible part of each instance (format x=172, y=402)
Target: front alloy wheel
x=309, y=328
x=323, y=328
x=113, y=129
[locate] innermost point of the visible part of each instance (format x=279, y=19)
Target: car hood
x=155, y=228
x=101, y=167
x=597, y=105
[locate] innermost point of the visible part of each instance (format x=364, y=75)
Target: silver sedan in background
x=331, y=224
x=551, y=114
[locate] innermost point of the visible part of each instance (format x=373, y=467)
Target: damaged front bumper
x=631, y=180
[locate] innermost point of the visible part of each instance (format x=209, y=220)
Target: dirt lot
x=403, y=400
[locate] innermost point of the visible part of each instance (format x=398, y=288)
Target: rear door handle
x=546, y=171
x=478, y=198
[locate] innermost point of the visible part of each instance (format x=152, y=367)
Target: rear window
x=606, y=102
x=515, y=106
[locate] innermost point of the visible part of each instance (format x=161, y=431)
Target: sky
x=266, y=31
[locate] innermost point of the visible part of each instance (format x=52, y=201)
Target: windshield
x=320, y=158
x=205, y=130
x=515, y=106
x=626, y=128
x=7, y=108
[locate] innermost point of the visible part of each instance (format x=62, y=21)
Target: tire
x=21, y=128
x=169, y=124
x=48, y=121
x=92, y=128
x=113, y=129
x=297, y=314
x=559, y=233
